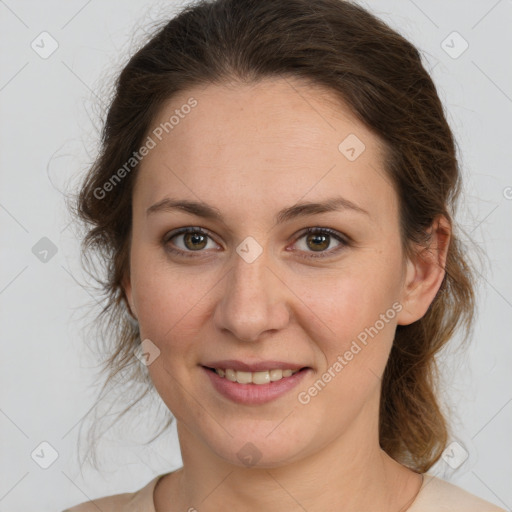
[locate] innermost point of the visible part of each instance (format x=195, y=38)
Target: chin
x=261, y=448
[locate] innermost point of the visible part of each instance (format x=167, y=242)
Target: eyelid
x=183, y=231
x=343, y=239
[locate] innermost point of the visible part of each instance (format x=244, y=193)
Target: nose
x=254, y=302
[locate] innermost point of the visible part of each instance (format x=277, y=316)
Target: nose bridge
x=253, y=301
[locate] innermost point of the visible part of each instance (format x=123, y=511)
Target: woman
x=273, y=203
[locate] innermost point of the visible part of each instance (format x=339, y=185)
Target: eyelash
x=344, y=241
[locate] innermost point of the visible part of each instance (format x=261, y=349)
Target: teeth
x=254, y=377
x=275, y=375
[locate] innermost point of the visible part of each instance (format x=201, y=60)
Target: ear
x=425, y=271
x=127, y=288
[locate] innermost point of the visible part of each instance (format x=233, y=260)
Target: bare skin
x=250, y=151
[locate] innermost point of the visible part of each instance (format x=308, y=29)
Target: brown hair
x=379, y=75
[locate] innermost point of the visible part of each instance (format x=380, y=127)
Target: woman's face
x=249, y=288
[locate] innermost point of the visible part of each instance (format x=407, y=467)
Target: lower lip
x=254, y=394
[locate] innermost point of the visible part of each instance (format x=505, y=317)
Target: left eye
x=313, y=240
x=319, y=240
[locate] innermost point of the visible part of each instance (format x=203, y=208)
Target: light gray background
x=49, y=121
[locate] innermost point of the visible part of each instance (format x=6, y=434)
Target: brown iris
x=320, y=242
x=195, y=239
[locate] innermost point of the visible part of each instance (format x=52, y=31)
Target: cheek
x=351, y=317
x=165, y=295
x=351, y=301
x=334, y=307
x=354, y=338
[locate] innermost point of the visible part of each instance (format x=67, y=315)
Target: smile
x=254, y=387
x=258, y=378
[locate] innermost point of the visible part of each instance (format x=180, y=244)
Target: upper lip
x=256, y=366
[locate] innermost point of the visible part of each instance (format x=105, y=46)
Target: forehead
x=278, y=138
x=285, y=112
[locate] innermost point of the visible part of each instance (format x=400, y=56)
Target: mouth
x=236, y=382
x=259, y=378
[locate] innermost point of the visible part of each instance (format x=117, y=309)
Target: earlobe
x=425, y=272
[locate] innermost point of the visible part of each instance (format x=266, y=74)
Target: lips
x=257, y=366
x=254, y=382
x=255, y=388
x=259, y=373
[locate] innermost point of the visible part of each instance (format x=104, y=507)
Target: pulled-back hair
x=374, y=71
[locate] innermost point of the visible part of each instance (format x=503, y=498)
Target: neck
x=351, y=471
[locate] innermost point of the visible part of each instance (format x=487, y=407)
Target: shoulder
x=437, y=495
x=138, y=501
x=106, y=504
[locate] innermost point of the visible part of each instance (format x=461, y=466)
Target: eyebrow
x=302, y=209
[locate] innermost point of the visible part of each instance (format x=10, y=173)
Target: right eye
x=189, y=240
